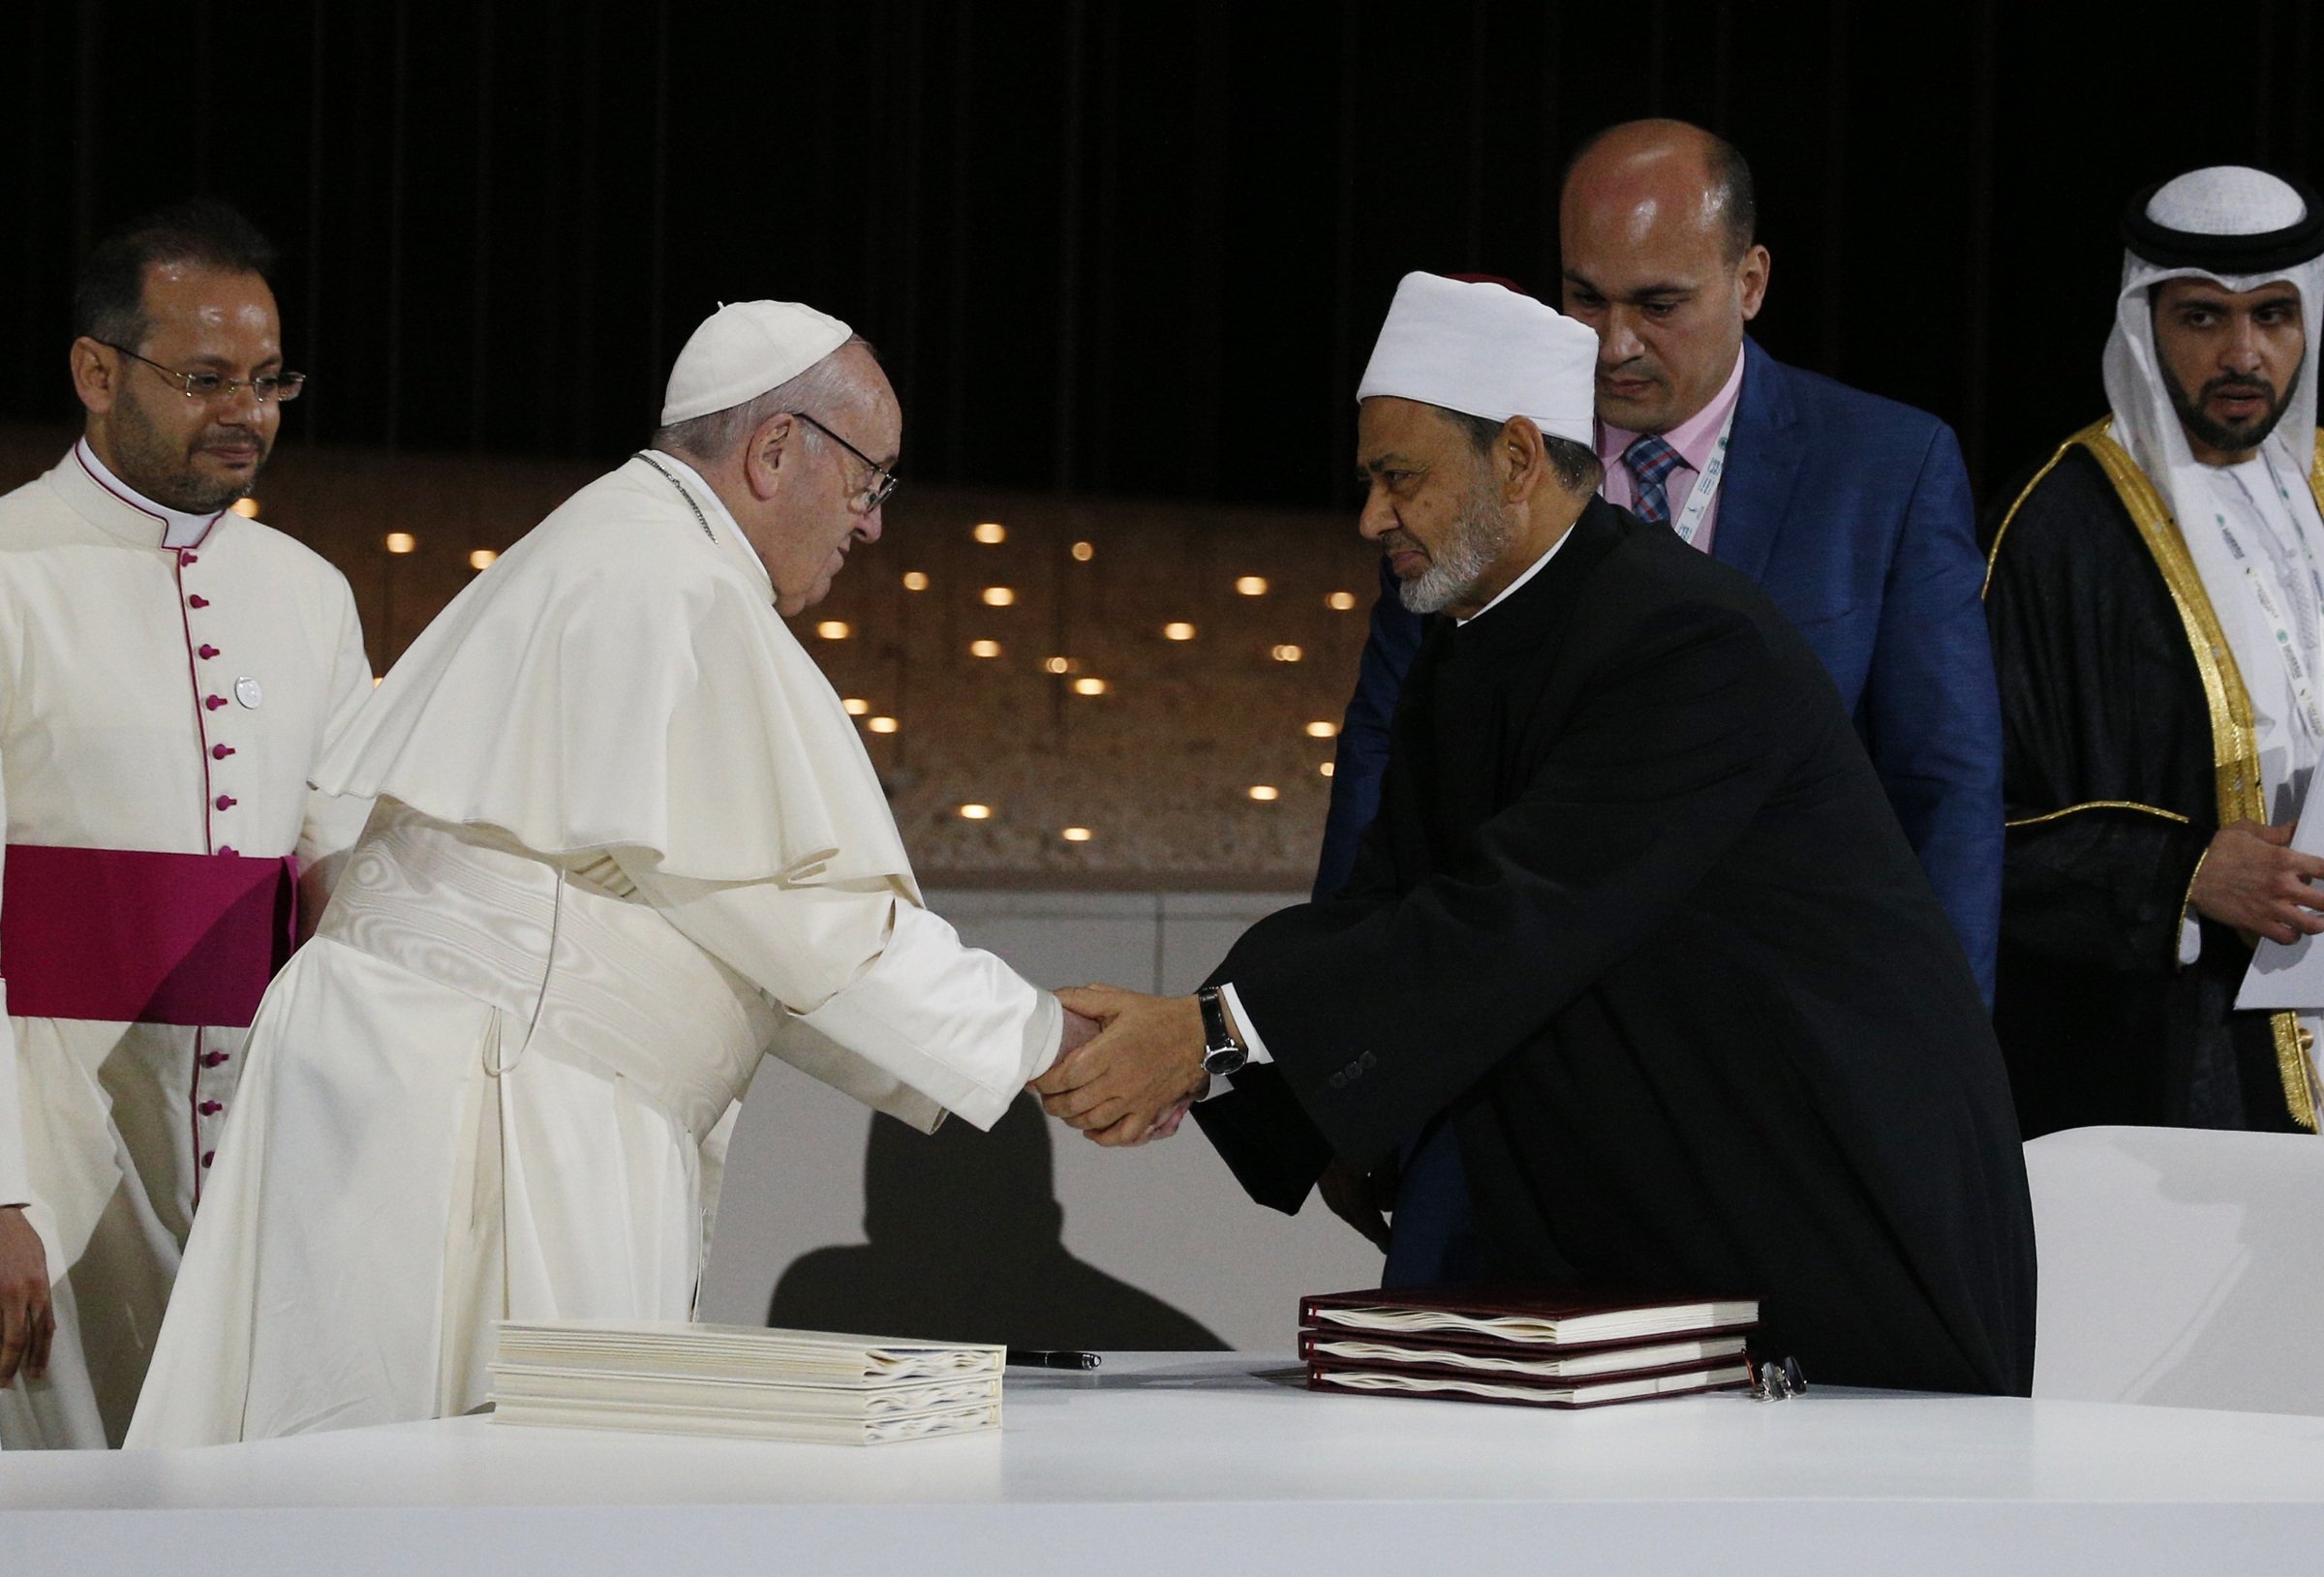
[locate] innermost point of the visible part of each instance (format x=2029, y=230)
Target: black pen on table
x=1049, y=1357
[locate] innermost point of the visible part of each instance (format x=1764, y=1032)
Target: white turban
x=741, y=350
x=1486, y=350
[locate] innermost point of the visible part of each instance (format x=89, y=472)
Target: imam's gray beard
x=151, y=462
x=1481, y=535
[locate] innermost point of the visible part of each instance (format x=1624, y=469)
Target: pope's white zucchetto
x=745, y=349
x=1486, y=350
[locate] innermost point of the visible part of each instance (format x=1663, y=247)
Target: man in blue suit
x=1851, y=512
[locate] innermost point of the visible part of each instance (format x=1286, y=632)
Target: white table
x=1202, y=1464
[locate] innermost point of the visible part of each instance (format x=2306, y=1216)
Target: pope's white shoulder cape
x=618, y=678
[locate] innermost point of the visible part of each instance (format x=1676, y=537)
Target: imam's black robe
x=1636, y=913
x=2113, y=776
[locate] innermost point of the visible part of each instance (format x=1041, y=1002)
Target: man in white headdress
x=627, y=841
x=1635, y=919
x=2154, y=599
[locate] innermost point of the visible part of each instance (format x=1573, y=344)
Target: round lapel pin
x=247, y=691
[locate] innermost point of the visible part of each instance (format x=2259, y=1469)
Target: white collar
x=714, y=509
x=179, y=530
x=1510, y=589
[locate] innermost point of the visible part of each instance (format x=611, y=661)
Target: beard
x=2232, y=437
x=1481, y=535
x=161, y=466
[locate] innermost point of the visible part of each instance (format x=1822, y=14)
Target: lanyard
x=2295, y=659
x=1707, y=484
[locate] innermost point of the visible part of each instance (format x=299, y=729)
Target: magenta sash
x=132, y=935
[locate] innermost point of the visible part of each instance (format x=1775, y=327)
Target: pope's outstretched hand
x=1079, y=1031
x=1136, y=1079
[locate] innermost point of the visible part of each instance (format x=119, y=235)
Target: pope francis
x=627, y=841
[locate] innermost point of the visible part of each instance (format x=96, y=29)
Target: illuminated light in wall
x=990, y=533
x=834, y=629
x=482, y=559
x=883, y=725
x=1077, y=834
x=998, y=597
x=1177, y=630
x=1322, y=730
x=1264, y=792
x=247, y=508
x=401, y=542
x=1340, y=601
x=1324, y=769
x=1059, y=665
x=1252, y=585
x=856, y=705
x=1088, y=687
x=1286, y=654
x=1083, y=551
x=976, y=812
x=914, y=581
x=984, y=648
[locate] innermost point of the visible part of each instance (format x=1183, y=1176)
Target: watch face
x=1226, y=1059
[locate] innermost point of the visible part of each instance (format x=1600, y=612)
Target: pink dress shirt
x=1693, y=439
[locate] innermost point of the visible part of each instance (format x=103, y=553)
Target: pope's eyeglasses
x=205, y=386
x=877, y=487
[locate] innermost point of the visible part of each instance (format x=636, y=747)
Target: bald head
x=1698, y=173
x=1656, y=226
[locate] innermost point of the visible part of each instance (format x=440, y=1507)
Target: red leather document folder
x=1566, y=1317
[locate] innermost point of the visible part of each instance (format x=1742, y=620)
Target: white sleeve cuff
x=2190, y=938
x=950, y=1020
x=1252, y=1042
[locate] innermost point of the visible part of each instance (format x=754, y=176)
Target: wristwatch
x=1222, y=1053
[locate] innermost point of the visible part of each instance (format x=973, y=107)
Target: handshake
x=1130, y=1066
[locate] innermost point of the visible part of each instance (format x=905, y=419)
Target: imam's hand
x=27, y=1318
x=2251, y=879
x=1134, y=1081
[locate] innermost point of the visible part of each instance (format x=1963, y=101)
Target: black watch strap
x=1222, y=1053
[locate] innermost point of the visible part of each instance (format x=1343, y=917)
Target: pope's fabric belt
x=133, y=935
x=597, y=979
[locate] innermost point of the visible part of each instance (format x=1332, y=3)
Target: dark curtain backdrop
x=1104, y=247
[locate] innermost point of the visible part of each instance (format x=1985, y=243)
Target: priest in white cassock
x=168, y=674
x=627, y=841
x=2156, y=609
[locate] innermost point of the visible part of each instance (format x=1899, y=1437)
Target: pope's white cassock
x=167, y=682
x=626, y=840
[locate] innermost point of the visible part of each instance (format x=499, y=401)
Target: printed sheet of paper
x=2289, y=974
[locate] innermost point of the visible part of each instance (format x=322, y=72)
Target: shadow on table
x=964, y=1247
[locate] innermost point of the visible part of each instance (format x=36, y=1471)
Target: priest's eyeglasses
x=877, y=487
x=205, y=386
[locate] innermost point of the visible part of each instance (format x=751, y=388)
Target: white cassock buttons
x=247, y=691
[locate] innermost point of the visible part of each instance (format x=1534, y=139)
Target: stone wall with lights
x=1133, y=694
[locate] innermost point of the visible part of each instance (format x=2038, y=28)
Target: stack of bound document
x=742, y=1381
x=1572, y=1348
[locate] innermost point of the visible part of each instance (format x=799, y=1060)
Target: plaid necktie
x=1651, y=460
